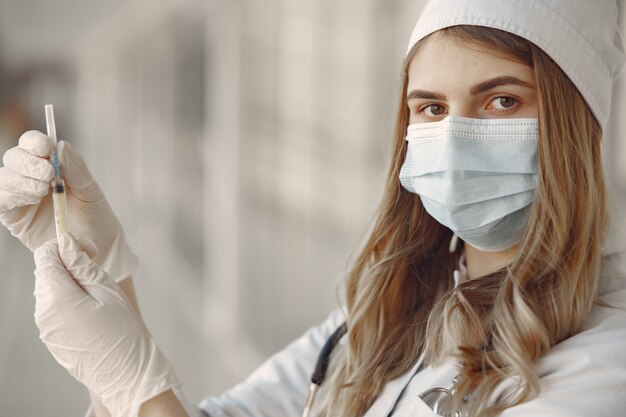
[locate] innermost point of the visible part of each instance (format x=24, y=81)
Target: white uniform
x=582, y=376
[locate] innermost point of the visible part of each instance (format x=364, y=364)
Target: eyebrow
x=475, y=90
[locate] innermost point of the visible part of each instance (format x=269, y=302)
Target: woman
x=488, y=273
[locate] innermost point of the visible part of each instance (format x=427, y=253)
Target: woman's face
x=451, y=78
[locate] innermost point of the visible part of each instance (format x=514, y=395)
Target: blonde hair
x=400, y=298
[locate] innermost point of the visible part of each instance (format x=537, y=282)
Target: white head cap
x=581, y=36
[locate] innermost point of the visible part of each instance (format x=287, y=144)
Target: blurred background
x=241, y=143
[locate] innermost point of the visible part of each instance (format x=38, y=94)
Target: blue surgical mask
x=475, y=176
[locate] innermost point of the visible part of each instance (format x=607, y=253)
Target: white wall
x=272, y=192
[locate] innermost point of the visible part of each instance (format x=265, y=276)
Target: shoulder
x=585, y=374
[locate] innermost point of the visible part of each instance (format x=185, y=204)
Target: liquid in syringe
x=59, y=199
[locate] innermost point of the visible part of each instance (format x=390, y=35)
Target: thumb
x=78, y=262
x=89, y=247
x=77, y=175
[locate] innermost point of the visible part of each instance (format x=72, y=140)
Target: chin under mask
x=475, y=176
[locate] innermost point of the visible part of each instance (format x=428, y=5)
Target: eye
x=503, y=103
x=433, y=110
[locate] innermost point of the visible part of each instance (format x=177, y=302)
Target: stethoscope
x=436, y=398
x=321, y=366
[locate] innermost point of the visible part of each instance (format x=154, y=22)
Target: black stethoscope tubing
x=321, y=366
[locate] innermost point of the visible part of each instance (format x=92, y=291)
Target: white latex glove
x=93, y=331
x=26, y=204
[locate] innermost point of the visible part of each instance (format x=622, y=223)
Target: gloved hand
x=26, y=206
x=93, y=331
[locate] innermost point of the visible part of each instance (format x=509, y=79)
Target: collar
x=460, y=274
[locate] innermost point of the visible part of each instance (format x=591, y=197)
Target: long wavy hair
x=401, y=300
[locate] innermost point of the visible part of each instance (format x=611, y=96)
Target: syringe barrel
x=59, y=201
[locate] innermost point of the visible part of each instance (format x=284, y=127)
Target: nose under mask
x=475, y=176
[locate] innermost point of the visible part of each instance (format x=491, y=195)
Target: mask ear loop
x=453, y=243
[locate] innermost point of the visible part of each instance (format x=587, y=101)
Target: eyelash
x=515, y=102
x=424, y=108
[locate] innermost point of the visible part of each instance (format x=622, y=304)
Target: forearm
x=129, y=289
x=99, y=410
x=163, y=405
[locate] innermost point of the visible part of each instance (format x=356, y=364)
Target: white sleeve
x=584, y=375
x=190, y=408
x=279, y=387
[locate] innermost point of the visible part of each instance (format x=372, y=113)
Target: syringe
x=59, y=200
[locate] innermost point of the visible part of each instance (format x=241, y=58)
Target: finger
x=53, y=284
x=20, y=161
x=22, y=186
x=58, y=297
x=78, y=263
x=77, y=175
x=35, y=143
x=10, y=200
x=26, y=223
